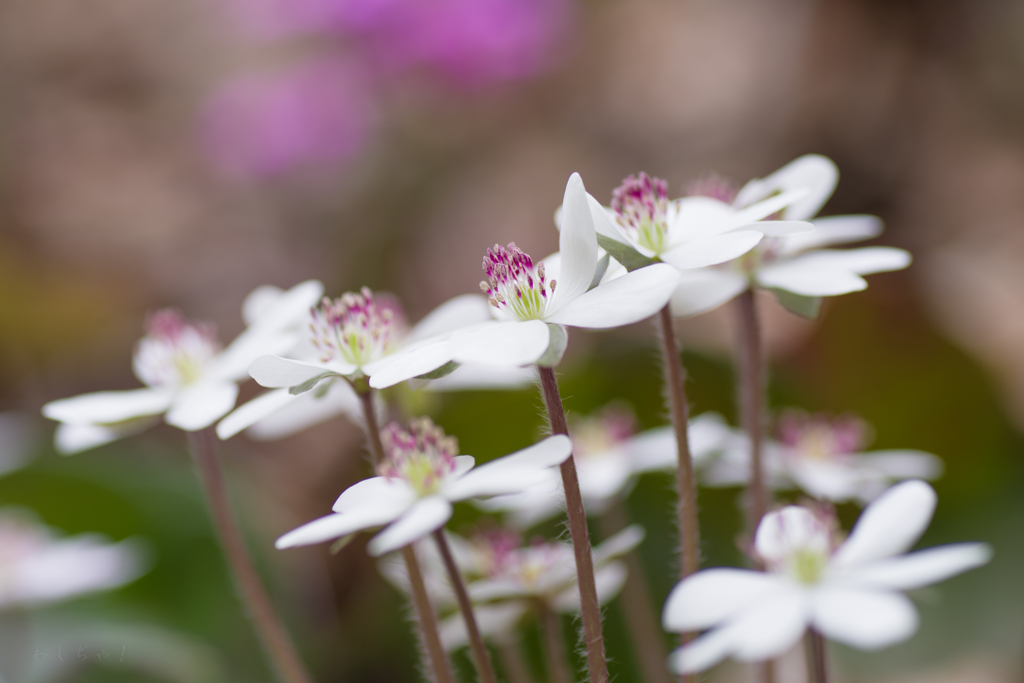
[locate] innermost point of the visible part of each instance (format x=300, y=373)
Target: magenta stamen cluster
x=821, y=436
x=514, y=284
x=601, y=431
x=640, y=204
x=174, y=351
x=496, y=549
x=714, y=186
x=422, y=455
x=357, y=328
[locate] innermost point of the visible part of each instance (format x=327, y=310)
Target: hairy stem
x=597, y=665
x=814, y=649
x=425, y=615
x=481, y=658
x=752, y=388
x=641, y=616
x=272, y=634
x=554, y=645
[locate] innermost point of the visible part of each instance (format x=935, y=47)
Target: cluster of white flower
x=644, y=255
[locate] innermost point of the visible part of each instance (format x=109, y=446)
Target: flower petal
x=480, y=378
x=890, y=525
x=766, y=207
x=308, y=409
x=335, y=525
x=255, y=410
x=863, y=618
x=72, y=438
x=700, y=291
x=511, y=473
x=408, y=363
x=275, y=372
x=713, y=596
x=903, y=464
x=781, y=228
x=577, y=242
x=622, y=301
x=783, y=531
x=389, y=496
x=922, y=568
x=833, y=230
x=504, y=344
x=701, y=653
x=493, y=621
x=808, y=277
x=108, y=407
x=711, y=251
x=770, y=627
x=618, y=544
x=654, y=449
x=863, y=261
x=425, y=516
x=814, y=173
x=200, y=405
x=609, y=580
x=461, y=311
x=271, y=307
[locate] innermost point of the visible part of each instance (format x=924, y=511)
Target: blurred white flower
x=531, y=303
x=37, y=567
x=793, y=266
x=609, y=456
x=514, y=578
x=188, y=377
x=420, y=478
x=849, y=591
x=350, y=338
x=822, y=456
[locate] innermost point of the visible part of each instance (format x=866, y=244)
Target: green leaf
x=804, y=306
x=624, y=254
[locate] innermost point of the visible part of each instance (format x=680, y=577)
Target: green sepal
x=602, y=268
x=443, y=371
x=629, y=257
x=309, y=383
x=340, y=543
x=808, y=307
x=559, y=339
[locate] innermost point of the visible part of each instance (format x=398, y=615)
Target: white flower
x=821, y=456
x=188, y=377
x=609, y=456
x=420, y=478
x=36, y=567
x=350, y=338
x=514, y=579
x=850, y=593
x=531, y=302
x=794, y=266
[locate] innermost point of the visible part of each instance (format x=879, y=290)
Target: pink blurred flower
x=261, y=125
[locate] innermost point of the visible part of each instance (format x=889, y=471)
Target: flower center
x=514, y=284
x=357, y=328
x=714, y=186
x=174, y=352
x=529, y=565
x=422, y=456
x=640, y=204
x=817, y=437
x=496, y=550
x=600, y=433
x=802, y=541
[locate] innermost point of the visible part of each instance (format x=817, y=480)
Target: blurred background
x=159, y=153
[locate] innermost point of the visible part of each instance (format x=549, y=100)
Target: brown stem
x=764, y=672
x=554, y=645
x=641, y=617
x=425, y=615
x=481, y=658
x=276, y=643
x=752, y=388
x=597, y=665
x=814, y=649
x=513, y=662
x=675, y=383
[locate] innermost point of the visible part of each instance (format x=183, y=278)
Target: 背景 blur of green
x=107, y=210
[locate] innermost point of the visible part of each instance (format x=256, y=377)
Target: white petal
x=708, y=433
x=700, y=291
x=532, y=505
x=233, y=362
x=622, y=301
x=654, y=449
x=454, y=314
x=770, y=627
x=511, y=473
x=335, y=526
x=769, y=206
x=922, y=568
x=863, y=261
x=498, y=588
x=618, y=544
x=701, y=653
x=463, y=464
x=73, y=566
x=577, y=242
x=604, y=220
x=255, y=410
x=493, y=621
x=409, y=363
x=275, y=372
x=698, y=218
x=258, y=301
x=200, y=405
x=609, y=580
x=903, y=464
x=108, y=407
x=809, y=278
x=814, y=173
x=781, y=228
x=479, y=378
x=389, y=496
x=71, y=438
x=890, y=525
x=834, y=230
x=504, y=344
x=713, y=596
x=308, y=409
x=862, y=618
x=425, y=516
x=270, y=307
x=711, y=251
x=791, y=528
